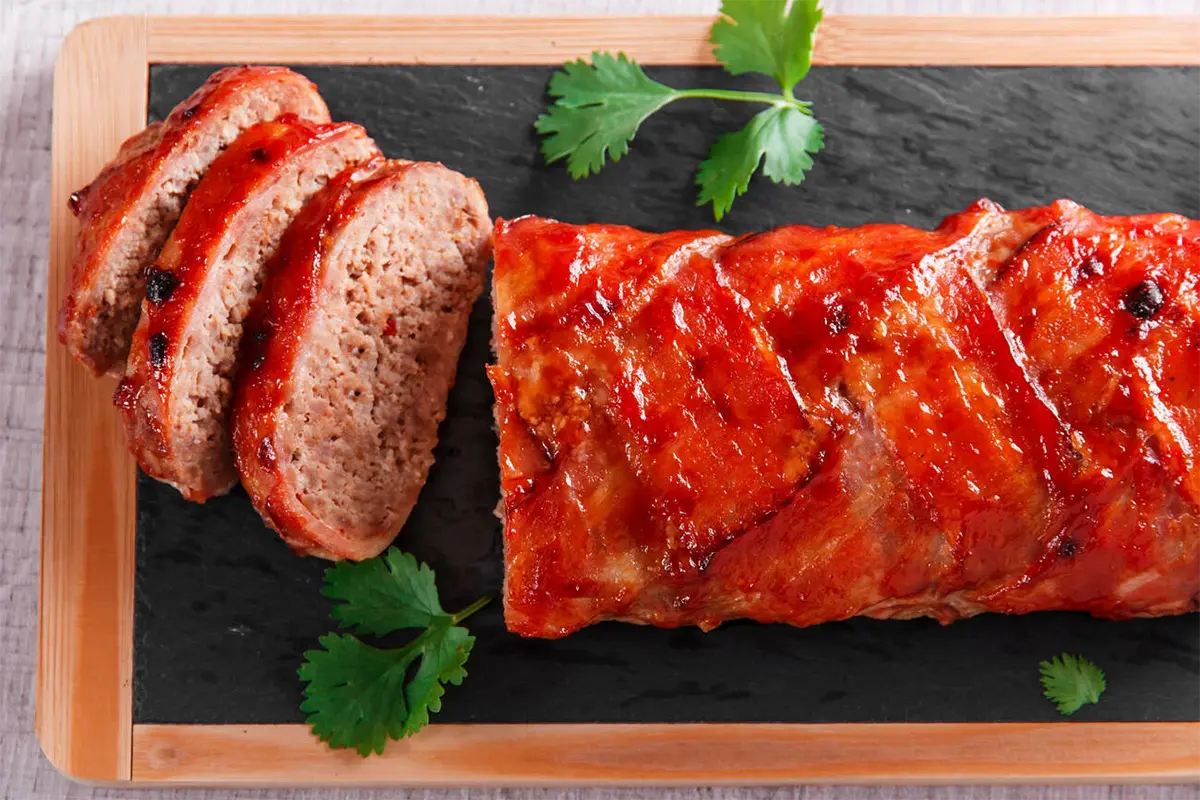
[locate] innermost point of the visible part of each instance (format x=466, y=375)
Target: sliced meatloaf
x=178, y=384
x=353, y=352
x=128, y=211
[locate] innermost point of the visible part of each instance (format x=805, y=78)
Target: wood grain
x=84, y=719
x=891, y=41
x=463, y=755
x=85, y=631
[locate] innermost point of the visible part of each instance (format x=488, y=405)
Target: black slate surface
x=224, y=611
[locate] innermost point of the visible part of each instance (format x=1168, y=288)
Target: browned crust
x=149, y=396
x=294, y=292
x=97, y=336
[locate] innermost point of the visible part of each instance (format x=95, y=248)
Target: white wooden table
x=30, y=33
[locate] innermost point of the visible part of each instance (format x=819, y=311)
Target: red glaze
x=104, y=205
x=809, y=424
x=244, y=171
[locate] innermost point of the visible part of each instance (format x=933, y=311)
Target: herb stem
x=471, y=609
x=741, y=96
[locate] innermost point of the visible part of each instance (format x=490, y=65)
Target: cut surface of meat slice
x=804, y=425
x=128, y=211
x=178, y=385
x=352, y=351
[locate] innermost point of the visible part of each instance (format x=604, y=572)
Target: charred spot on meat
x=160, y=286
x=1089, y=268
x=1143, y=300
x=158, y=349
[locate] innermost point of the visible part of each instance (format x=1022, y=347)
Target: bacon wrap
x=804, y=425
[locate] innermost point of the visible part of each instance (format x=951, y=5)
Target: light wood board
x=85, y=638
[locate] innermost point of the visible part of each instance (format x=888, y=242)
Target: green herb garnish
x=598, y=107
x=1070, y=681
x=360, y=696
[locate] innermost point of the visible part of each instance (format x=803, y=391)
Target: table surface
x=30, y=34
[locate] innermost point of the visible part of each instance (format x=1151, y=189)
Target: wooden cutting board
x=170, y=632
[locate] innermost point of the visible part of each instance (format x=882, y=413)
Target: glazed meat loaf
x=176, y=392
x=804, y=425
x=128, y=211
x=352, y=352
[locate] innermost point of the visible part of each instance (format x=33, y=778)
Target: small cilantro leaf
x=598, y=109
x=1070, y=681
x=359, y=696
x=446, y=652
x=767, y=37
x=383, y=594
x=355, y=692
x=781, y=138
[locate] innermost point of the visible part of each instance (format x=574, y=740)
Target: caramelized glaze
x=808, y=424
x=109, y=203
x=183, y=271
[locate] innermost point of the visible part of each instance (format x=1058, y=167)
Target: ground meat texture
x=178, y=386
x=127, y=213
x=367, y=310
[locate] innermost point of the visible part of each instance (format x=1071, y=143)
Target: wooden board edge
x=84, y=716
x=85, y=634
x=677, y=754
x=843, y=40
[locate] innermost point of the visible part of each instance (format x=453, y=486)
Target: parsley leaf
x=765, y=36
x=359, y=696
x=780, y=138
x=598, y=110
x=598, y=107
x=1070, y=681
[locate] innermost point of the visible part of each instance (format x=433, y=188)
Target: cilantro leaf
x=781, y=138
x=446, y=652
x=383, y=594
x=598, y=109
x=356, y=694
x=1070, y=681
x=766, y=36
x=354, y=697
x=359, y=696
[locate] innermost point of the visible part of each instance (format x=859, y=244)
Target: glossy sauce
x=808, y=424
x=94, y=323
x=238, y=175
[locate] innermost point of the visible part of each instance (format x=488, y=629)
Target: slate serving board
x=224, y=611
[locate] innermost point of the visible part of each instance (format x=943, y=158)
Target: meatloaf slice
x=178, y=384
x=128, y=211
x=354, y=349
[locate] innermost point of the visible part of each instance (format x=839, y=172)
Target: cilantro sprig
x=1069, y=681
x=599, y=106
x=360, y=696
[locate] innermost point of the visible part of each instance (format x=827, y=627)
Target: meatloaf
x=809, y=424
x=177, y=389
x=352, y=352
x=127, y=212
